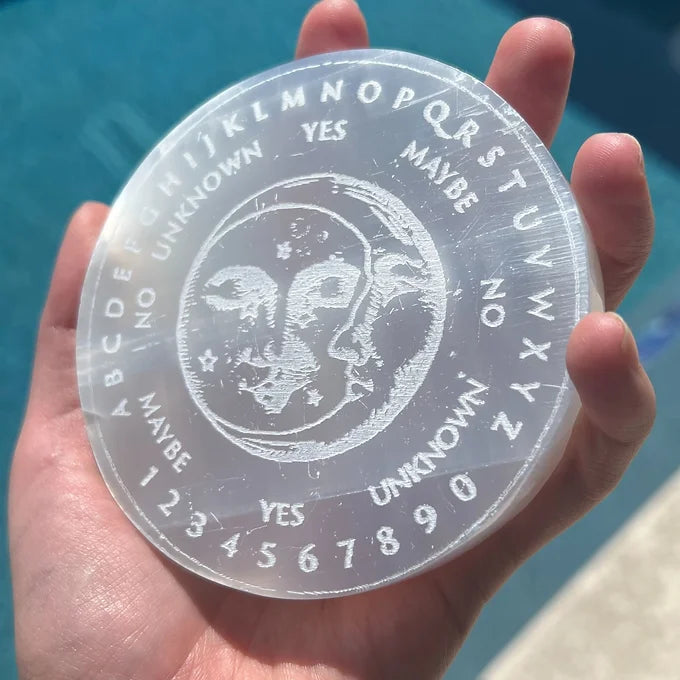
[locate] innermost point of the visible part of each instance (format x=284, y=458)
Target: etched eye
x=330, y=288
x=325, y=285
x=244, y=289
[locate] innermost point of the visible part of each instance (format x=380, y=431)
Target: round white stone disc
x=321, y=343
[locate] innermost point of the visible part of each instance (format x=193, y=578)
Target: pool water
x=86, y=88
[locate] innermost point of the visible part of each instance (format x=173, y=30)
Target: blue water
x=86, y=87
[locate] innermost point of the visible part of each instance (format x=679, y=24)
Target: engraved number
x=464, y=489
x=153, y=471
x=388, y=544
x=197, y=522
x=231, y=545
x=426, y=515
x=348, y=545
x=266, y=552
x=307, y=560
x=174, y=499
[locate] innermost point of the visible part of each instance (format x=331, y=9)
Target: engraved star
x=314, y=397
x=207, y=360
x=283, y=250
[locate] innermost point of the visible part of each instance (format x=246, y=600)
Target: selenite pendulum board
x=321, y=343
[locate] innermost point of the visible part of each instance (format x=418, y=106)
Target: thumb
x=54, y=389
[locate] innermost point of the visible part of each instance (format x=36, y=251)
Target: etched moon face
x=298, y=373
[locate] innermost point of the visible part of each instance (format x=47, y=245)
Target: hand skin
x=94, y=600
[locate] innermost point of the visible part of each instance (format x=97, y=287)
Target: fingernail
x=640, y=155
x=568, y=30
x=554, y=20
x=628, y=345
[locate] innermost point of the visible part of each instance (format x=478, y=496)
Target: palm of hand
x=130, y=613
x=94, y=599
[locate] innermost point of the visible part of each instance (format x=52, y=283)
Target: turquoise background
x=86, y=87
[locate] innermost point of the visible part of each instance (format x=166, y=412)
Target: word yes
x=283, y=514
x=325, y=130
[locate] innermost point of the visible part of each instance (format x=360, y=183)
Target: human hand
x=93, y=599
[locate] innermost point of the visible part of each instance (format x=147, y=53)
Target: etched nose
x=290, y=370
x=350, y=345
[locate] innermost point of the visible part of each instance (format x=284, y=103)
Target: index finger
x=332, y=25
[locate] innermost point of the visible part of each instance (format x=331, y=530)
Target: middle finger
x=532, y=70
